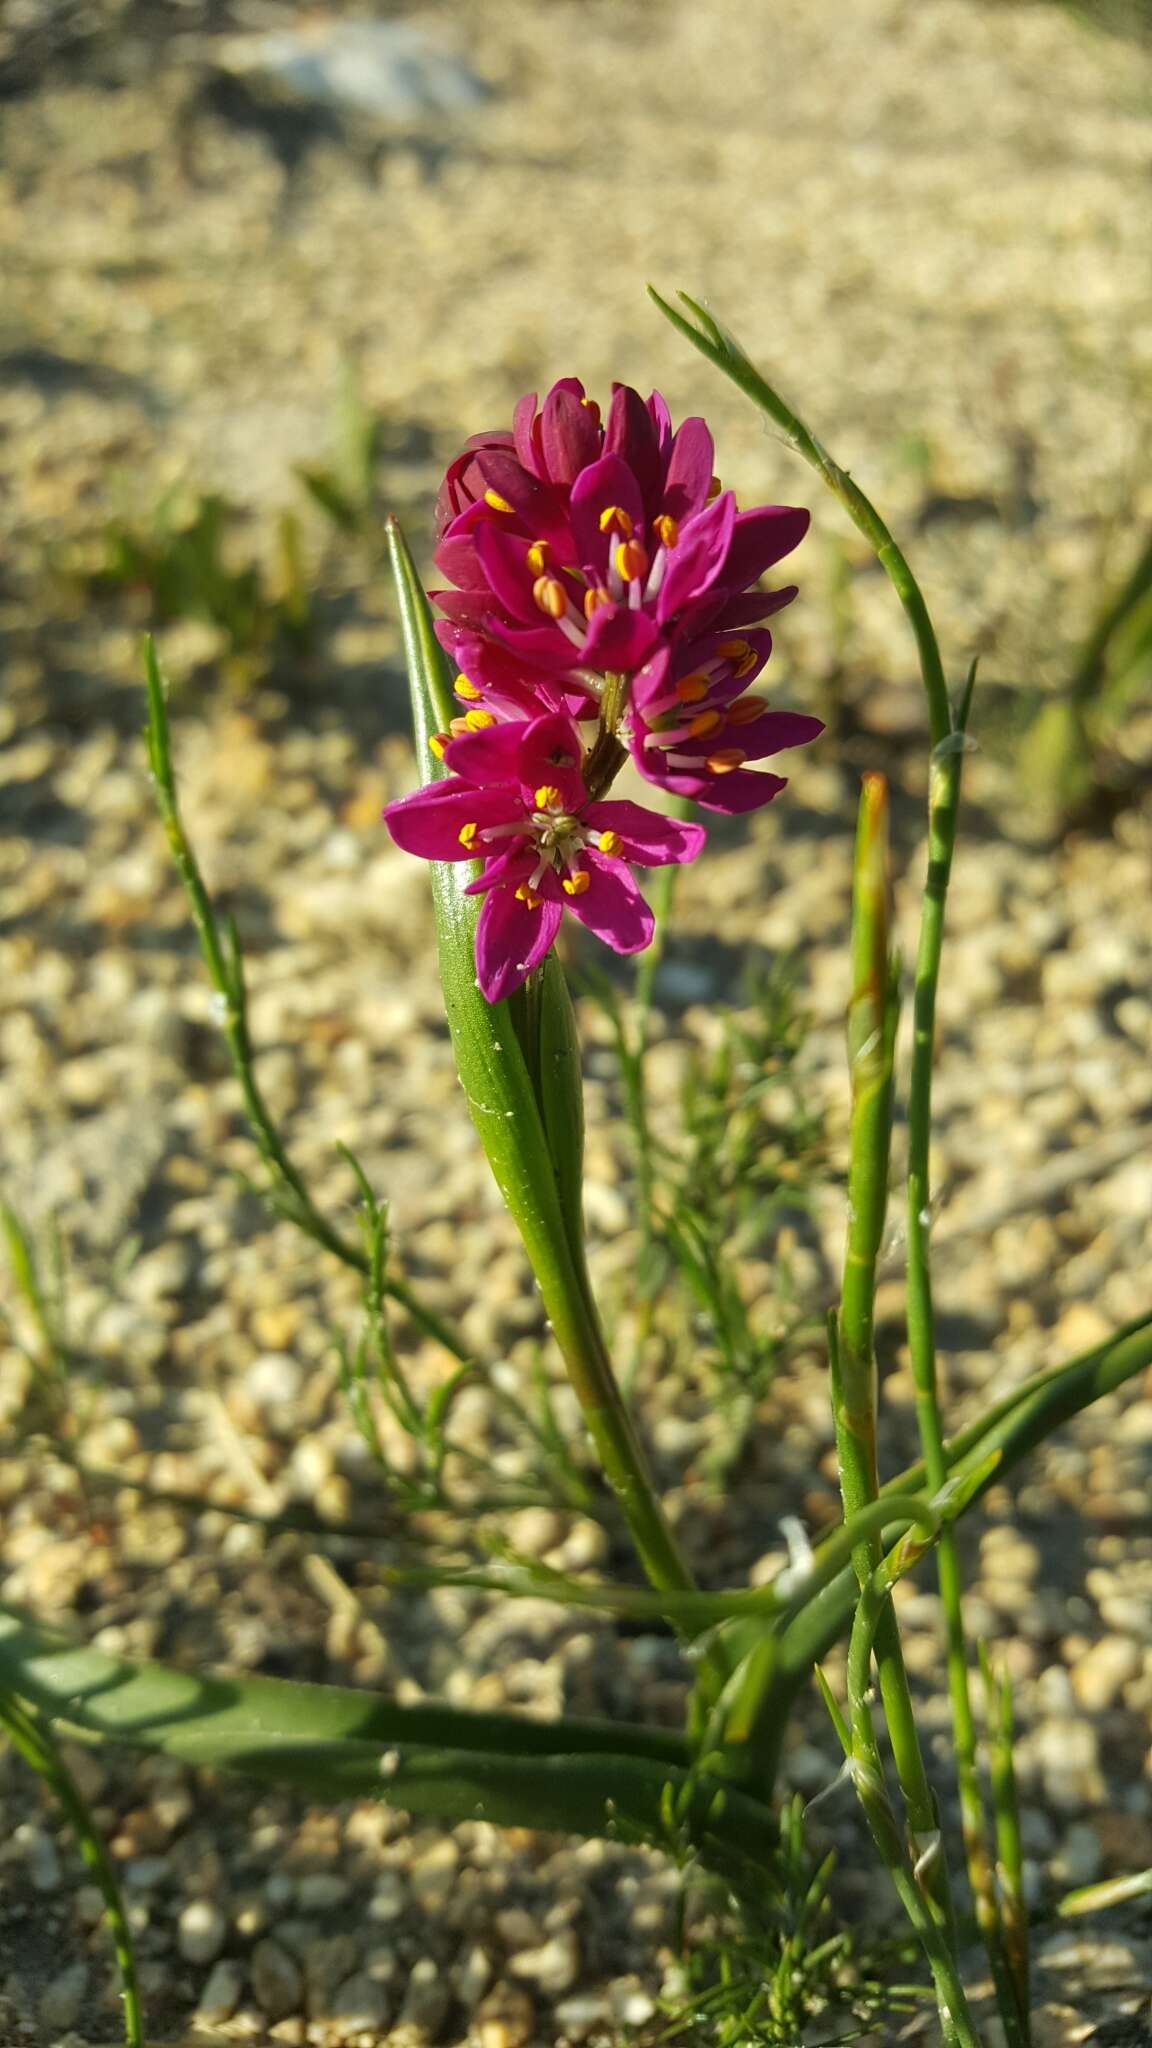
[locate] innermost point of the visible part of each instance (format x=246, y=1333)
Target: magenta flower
x=516, y=798
x=582, y=551
x=692, y=723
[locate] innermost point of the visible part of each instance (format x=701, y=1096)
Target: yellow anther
x=467, y=833
x=740, y=653
x=497, y=503
x=667, y=529
x=575, y=885
x=727, y=759
x=632, y=560
x=691, y=688
x=610, y=843
x=475, y=721
x=594, y=598
x=704, y=723
x=437, y=744
x=614, y=519
x=526, y=895
x=547, y=796
x=538, y=557
x=714, y=489
x=745, y=709
x=550, y=596
x=593, y=408
x=465, y=687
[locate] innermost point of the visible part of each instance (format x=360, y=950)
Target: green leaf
x=582, y=1777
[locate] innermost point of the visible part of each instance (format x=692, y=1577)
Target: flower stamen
x=614, y=519
x=745, y=709
x=550, y=596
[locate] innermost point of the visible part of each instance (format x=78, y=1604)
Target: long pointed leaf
x=580, y=1777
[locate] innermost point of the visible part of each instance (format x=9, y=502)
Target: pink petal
x=630, y=433
x=511, y=939
x=537, y=506
x=618, y=638
x=653, y=679
x=612, y=906
x=689, y=477
x=523, y=436
x=739, y=612
x=569, y=435
x=550, y=751
x=761, y=538
x=695, y=562
x=428, y=823
x=503, y=558
x=662, y=421
x=606, y=482
x=475, y=608
x=772, y=733
x=488, y=758
x=742, y=789
x=456, y=558
x=648, y=838
x=543, y=646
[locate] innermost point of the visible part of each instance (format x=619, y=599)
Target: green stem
x=872, y=1019
x=36, y=1744
x=1011, y=1960
x=943, y=808
x=868, y=1777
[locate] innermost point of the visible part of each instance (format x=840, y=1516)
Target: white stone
x=200, y=1931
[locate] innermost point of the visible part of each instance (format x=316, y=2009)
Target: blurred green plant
x=347, y=489
x=1069, y=752
x=187, y=563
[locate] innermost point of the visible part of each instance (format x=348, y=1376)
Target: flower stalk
x=514, y=1108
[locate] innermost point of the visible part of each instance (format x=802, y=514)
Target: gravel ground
x=932, y=221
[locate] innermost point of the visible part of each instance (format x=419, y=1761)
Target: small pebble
x=200, y=1931
x=222, y=1993
x=276, y=1980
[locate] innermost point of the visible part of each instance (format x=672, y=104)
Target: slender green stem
x=947, y=737
x=1010, y=1959
x=36, y=1744
x=867, y=1772
x=872, y=1019
x=943, y=807
x=225, y=965
x=1114, y=1891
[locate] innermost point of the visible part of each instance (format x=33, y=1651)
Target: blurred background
x=219, y=220
x=262, y=270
